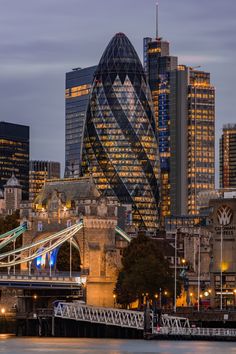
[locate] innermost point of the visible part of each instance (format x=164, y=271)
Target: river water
x=33, y=345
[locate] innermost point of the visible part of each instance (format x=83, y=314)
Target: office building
x=78, y=85
x=120, y=143
x=192, y=140
x=184, y=102
x=201, y=136
x=228, y=157
x=160, y=69
x=39, y=172
x=14, y=155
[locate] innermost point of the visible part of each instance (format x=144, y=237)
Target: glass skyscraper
x=201, y=136
x=78, y=85
x=228, y=157
x=39, y=172
x=184, y=102
x=14, y=155
x=160, y=70
x=120, y=143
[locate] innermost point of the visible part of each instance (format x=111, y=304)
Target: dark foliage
x=144, y=271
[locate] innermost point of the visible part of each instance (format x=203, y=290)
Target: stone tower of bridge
x=62, y=203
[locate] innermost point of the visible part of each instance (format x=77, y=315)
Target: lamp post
x=191, y=299
x=114, y=298
x=70, y=257
x=199, y=270
x=234, y=297
x=221, y=261
x=175, y=290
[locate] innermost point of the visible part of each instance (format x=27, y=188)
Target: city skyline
x=42, y=41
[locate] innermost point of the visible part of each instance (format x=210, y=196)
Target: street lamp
x=175, y=290
x=199, y=269
x=3, y=311
x=114, y=298
x=234, y=297
x=160, y=299
x=221, y=261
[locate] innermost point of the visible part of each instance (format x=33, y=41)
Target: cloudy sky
x=42, y=39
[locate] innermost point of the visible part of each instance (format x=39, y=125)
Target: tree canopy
x=9, y=222
x=144, y=271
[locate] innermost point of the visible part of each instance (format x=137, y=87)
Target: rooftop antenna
x=157, y=20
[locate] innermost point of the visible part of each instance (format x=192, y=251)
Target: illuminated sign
x=224, y=215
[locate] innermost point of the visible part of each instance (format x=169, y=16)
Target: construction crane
x=195, y=67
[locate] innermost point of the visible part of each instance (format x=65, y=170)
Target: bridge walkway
x=170, y=326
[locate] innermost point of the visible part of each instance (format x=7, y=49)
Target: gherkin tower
x=120, y=146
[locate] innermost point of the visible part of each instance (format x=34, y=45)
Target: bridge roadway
x=170, y=326
x=61, y=280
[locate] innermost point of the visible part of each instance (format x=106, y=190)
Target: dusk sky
x=42, y=39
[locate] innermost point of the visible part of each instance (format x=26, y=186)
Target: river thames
x=34, y=345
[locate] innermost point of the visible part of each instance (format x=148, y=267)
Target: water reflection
x=26, y=345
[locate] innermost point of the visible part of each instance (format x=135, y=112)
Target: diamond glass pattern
x=120, y=143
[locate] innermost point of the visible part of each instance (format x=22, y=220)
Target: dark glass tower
x=160, y=69
x=14, y=155
x=78, y=85
x=120, y=143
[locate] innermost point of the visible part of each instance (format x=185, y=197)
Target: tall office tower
x=14, y=155
x=201, y=136
x=185, y=114
x=228, y=157
x=39, y=172
x=192, y=139
x=160, y=69
x=120, y=143
x=78, y=85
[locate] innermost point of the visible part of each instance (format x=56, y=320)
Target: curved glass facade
x=120, y=143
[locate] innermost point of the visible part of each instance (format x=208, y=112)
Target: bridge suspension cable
x=46, y=245
x=122, y=234
x=12, y=235
x=41, y=247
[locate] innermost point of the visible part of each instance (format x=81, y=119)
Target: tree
x=9, y=222
x=144, y=271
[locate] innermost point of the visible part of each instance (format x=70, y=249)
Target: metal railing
x=101, y=315
x=170, y=325
x=203, y=332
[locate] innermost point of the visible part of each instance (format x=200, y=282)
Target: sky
x=40, y=40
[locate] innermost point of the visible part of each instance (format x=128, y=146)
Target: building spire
x=157, y=20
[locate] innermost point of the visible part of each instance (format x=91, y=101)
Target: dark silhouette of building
x=14, y=155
